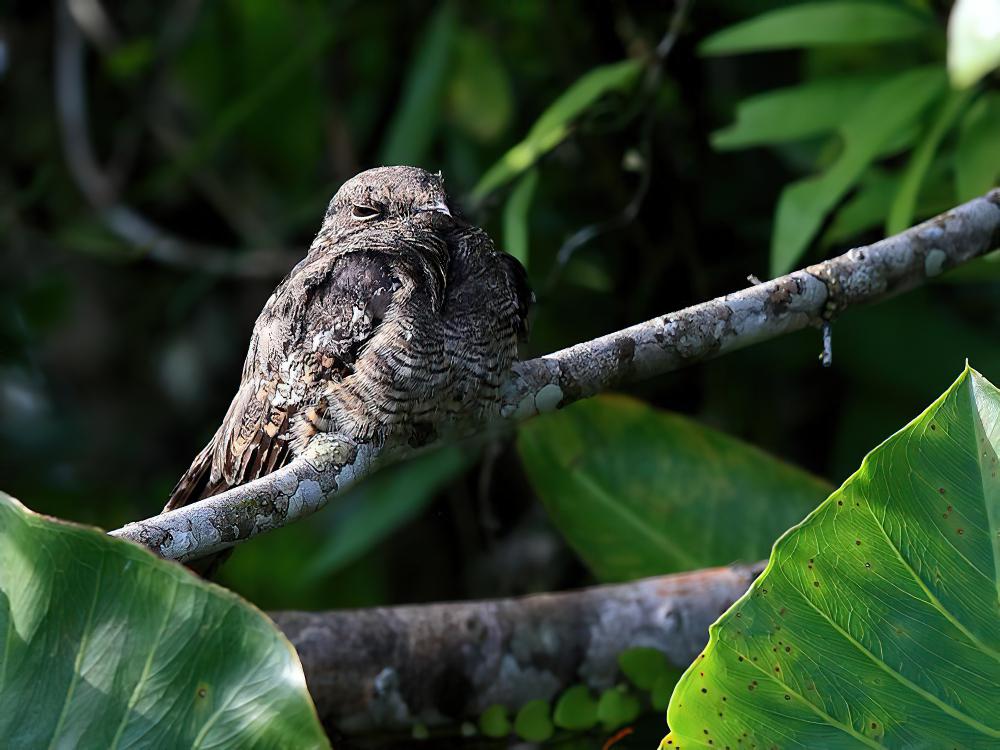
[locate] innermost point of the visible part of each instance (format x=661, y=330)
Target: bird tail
x=196, y=484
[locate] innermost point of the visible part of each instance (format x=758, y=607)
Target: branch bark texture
x=391, y=667
x=764, y=311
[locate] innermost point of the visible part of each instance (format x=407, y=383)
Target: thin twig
x=101, y=191
x=628, y=214
x=804, y=298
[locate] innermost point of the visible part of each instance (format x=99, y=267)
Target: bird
x=401, y=318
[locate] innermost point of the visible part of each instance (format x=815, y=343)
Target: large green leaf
x=555, y=122
x=637, y=491
x=973, y=40
x=877, y=620
x=805, y=204
x=977, y=157
x=813, y=108
x=819, y=24
x=108, y=646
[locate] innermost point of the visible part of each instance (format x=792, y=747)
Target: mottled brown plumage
x=400, y=317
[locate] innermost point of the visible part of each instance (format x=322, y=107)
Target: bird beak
x=441, y=207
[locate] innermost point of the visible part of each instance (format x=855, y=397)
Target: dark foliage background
x=230, y=124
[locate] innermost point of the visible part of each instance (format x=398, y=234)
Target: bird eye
x=360, y=211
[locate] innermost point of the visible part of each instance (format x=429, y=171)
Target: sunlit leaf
x=904, y=206
x=977, y=157
x=108, y=646
x=819, y=24
x=973, y=40
x=415, y=121
x=813, y=108
x=555, y=123
x=877, y=620
x=805, y=204
x=515, y=217
x=637, y=491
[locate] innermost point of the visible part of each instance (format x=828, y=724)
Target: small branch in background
x=392, y=667
x=641, y=157
x=765, y=311
x=102, y=192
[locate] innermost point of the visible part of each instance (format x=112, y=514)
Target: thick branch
x=392, y=667
x=761, y=312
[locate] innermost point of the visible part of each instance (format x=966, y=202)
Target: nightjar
x=400, y=317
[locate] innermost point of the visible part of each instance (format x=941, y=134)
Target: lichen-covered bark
x=391, y=667
x=764, y=311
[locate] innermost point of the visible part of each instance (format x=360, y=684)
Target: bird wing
x=309, y=335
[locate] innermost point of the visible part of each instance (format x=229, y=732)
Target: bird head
x=386, y=197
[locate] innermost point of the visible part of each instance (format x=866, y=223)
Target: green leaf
x=870, y=204
x=131, y=59
x=973, y=40
x=977, y=157
x=805, y=204
x=108, y=646
x=788, y=114
x=617, y=707
x=904, y=206
x=639, y=492
x=877, y=620
x=515, y=216
x=416, y=119
x=817, y=25
x=494, y=722
x=532, y=722
x=663, y=688
x=643, y=666
x=575, y=710
x=369, y=513
x=555, y=123
x=269, y=80
x=479, y=97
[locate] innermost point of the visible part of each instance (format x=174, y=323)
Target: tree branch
x=764, y=311
x=392, y=667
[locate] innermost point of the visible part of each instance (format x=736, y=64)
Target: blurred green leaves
x=803, y=205
x=977, y=156
x=556, y=121
x=109, y=646
x=873, y=116
x=321, y=561
x=415, y=120
x=875, y=622
x=904, y=205
x=369, y=513
x=814, y=108
x=479, y=100
x=515, y=216
x=973, y=40
x=639, y=492
x=818, y=24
